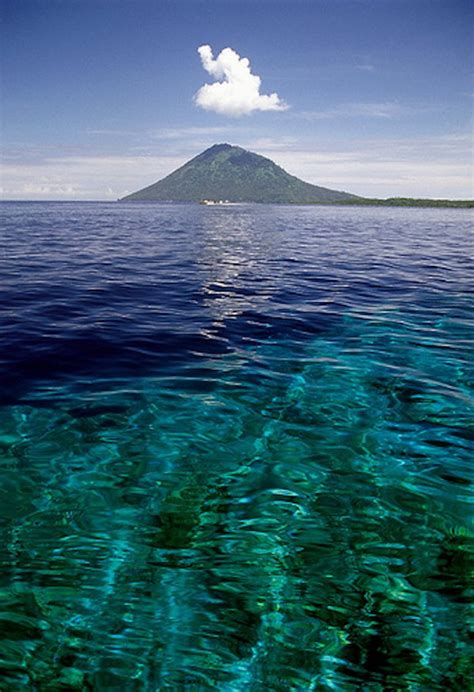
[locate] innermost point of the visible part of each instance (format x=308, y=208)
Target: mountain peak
x=216, y=148
x=226, y=171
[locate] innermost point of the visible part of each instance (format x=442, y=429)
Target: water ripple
x=235, y=447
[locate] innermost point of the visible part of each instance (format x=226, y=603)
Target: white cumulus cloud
x=236, y=90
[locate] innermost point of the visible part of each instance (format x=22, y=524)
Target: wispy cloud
x=179, y=132
x=415, y=167
x=111, y=132
x=160, y=133
x=83, y=177
x=365, y=67
x=236, y=90
x=412, y=167
x=262, y=144
x=172, y=141
x=383, y=109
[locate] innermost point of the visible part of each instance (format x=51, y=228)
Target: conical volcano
x=226, y=172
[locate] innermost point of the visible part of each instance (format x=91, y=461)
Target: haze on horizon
x=101, y=99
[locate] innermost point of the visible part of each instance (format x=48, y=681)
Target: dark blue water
x=235, y=447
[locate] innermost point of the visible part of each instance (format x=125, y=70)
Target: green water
x=235, y=450
x=293, y=526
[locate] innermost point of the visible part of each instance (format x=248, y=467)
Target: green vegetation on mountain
x=410, y=202
x=237, y=175
x=224, y=172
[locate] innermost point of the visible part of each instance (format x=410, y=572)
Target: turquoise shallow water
x=235, y=448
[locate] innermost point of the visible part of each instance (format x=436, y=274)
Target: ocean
x=235, y=447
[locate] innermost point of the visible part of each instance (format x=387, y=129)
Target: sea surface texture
x=235, y=447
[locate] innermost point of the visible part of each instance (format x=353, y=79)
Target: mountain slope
x=237, y=175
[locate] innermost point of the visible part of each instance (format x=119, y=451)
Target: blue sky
x=98, y=97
